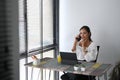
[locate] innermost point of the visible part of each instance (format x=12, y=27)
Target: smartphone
x=79, y=38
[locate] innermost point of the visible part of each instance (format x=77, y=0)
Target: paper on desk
x=42, y=62
x=96, y=65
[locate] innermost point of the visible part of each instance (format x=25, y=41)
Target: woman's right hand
x=75, y=42
x=77, y=38
x=73, y=49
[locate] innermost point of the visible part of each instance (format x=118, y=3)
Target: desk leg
x=105, y=76
x=98, y=78
x=38, y=75
x=49, y=74
x=31, y=74
x=45, y=74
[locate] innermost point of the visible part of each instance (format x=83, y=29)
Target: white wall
x=102, y=16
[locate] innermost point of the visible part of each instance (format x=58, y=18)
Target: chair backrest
x=98, y=47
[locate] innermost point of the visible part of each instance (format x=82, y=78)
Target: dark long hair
x=88, y=30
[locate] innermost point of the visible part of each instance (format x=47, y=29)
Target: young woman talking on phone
x=83, y=45
x=85, y=49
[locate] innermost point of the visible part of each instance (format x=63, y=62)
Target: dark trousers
x=68, y=76
x=71, y=76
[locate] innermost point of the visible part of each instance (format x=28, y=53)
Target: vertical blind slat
x=5, y=57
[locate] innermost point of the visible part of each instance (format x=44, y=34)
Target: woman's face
x=84, y=34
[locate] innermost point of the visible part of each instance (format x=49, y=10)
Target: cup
x=82, y=68
x=59, y=58
x=76, y=68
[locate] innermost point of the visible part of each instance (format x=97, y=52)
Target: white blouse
x=90, y=55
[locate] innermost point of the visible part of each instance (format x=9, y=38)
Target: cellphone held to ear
x=78, y=38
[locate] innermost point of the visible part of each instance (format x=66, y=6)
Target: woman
x=85, y=49
x=83, y=45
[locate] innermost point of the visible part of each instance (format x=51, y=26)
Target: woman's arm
x=91, y=53
x=74, y=45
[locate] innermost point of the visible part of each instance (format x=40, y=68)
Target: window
x=36, y=26
x=38, y=31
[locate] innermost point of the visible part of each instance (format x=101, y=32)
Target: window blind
x=8, y=40
x=39, y=37
x=5, y=57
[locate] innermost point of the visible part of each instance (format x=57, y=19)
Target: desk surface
x=95, y=69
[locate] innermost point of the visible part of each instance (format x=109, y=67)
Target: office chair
x=98, y=47
x=93, y=77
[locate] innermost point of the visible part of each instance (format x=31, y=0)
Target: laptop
x=68, y=58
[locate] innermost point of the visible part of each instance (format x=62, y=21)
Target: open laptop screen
x=68, y=58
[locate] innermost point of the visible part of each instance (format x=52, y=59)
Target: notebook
x=68, y=58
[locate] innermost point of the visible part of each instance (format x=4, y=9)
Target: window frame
x=38, y=50
x=54, y=46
